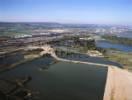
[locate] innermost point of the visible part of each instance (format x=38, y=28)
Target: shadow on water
x=62, y=81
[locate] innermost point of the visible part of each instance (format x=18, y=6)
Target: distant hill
x=10, y=29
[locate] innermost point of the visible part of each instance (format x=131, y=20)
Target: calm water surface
x=86, y=58
x=105, y=44
x=62, y=81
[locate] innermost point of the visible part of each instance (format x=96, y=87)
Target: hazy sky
x=67, y=11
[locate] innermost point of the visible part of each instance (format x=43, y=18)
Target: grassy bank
x=119, y=40
x=124, y=58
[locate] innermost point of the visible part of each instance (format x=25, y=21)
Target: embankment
x=118, y=85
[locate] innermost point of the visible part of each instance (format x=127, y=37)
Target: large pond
x=121, y=47
x=62, y=81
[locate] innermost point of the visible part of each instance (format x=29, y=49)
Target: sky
x=67, y=11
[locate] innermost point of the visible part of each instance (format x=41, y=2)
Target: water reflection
x=105, y=44
x=62, y=81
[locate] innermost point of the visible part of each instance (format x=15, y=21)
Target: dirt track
x=118, y=85
x=119, y=81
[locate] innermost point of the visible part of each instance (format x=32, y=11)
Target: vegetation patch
x=119, y=40
x=123, y=58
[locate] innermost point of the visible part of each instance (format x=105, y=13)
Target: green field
x=123, y=58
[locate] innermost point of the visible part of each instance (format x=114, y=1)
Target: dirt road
x=118, y=85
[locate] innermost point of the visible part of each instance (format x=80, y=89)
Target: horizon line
x=63, y=23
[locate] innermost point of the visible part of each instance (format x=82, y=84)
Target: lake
x=62, y=81
x=107, y=45
x=87, y=58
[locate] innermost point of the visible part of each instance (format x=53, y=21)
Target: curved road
x=48, y=50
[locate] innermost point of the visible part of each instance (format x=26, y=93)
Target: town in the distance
x=56, y=61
